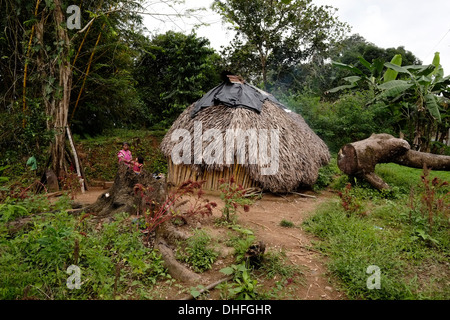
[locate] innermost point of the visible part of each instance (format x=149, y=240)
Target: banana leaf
x=393, y=88
x=347, y=86
x=347, y=67
x=433, y=106
x=352, y=79
x=399, y=69
x=391, y=74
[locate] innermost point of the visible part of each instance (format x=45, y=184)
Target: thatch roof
x=301, y=151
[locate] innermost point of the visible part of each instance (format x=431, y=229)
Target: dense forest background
x=109, y=74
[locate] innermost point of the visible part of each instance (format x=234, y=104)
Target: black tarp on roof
x=235, y=95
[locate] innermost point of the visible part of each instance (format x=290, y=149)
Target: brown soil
x=264, y=220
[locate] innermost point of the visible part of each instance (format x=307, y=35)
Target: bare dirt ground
x=264, y=220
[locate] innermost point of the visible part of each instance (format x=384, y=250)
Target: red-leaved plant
x=233, y=196
x=433, y=200
x=156, y=214
x=349, y=202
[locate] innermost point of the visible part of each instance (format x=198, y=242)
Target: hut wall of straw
x=180, y=173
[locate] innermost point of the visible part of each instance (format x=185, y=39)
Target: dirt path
x=264, y=219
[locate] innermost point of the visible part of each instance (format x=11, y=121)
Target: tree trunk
x=60, y=113
x=56, y=102
x=360, y=158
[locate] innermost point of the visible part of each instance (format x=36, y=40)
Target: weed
x=435, y=197
x=70, y=182
x=243, y=287
x=197, y=253
x=157, y=214
x=9, y=212
x=275, y=263
x=197, y=291
x=349, y=202
x=241, y=242
x=113, y=259
x=287, y=223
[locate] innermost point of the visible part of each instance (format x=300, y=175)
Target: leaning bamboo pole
x=88, y=68
x=25, y=71
x=75, y=156
x=85, y=76
x=85, y=36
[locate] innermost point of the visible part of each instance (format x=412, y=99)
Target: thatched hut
x=273, y=149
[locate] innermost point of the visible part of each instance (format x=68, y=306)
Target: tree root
x=176, y=269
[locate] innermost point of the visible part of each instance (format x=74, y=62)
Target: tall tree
x=274, y=33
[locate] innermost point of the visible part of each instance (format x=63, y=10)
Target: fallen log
x=360, y=158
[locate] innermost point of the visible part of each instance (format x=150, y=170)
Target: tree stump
x=360, y=158
x=121, y=197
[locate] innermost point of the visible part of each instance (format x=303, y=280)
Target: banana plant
x=422, y=86
x=422, y=89
x=375, y=68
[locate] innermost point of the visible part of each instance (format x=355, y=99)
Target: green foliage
x=347, y=120
x=174, y=71
x=327, y=174
x=419, y=93
x=241, y=242
x=113, y=259
x=9, y=212
x=196, y=291
x=287, y=224
x=198, y=253
x=3, y=178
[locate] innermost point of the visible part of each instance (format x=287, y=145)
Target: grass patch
x=404, y=177
x=198, y=252
x=405, y=234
